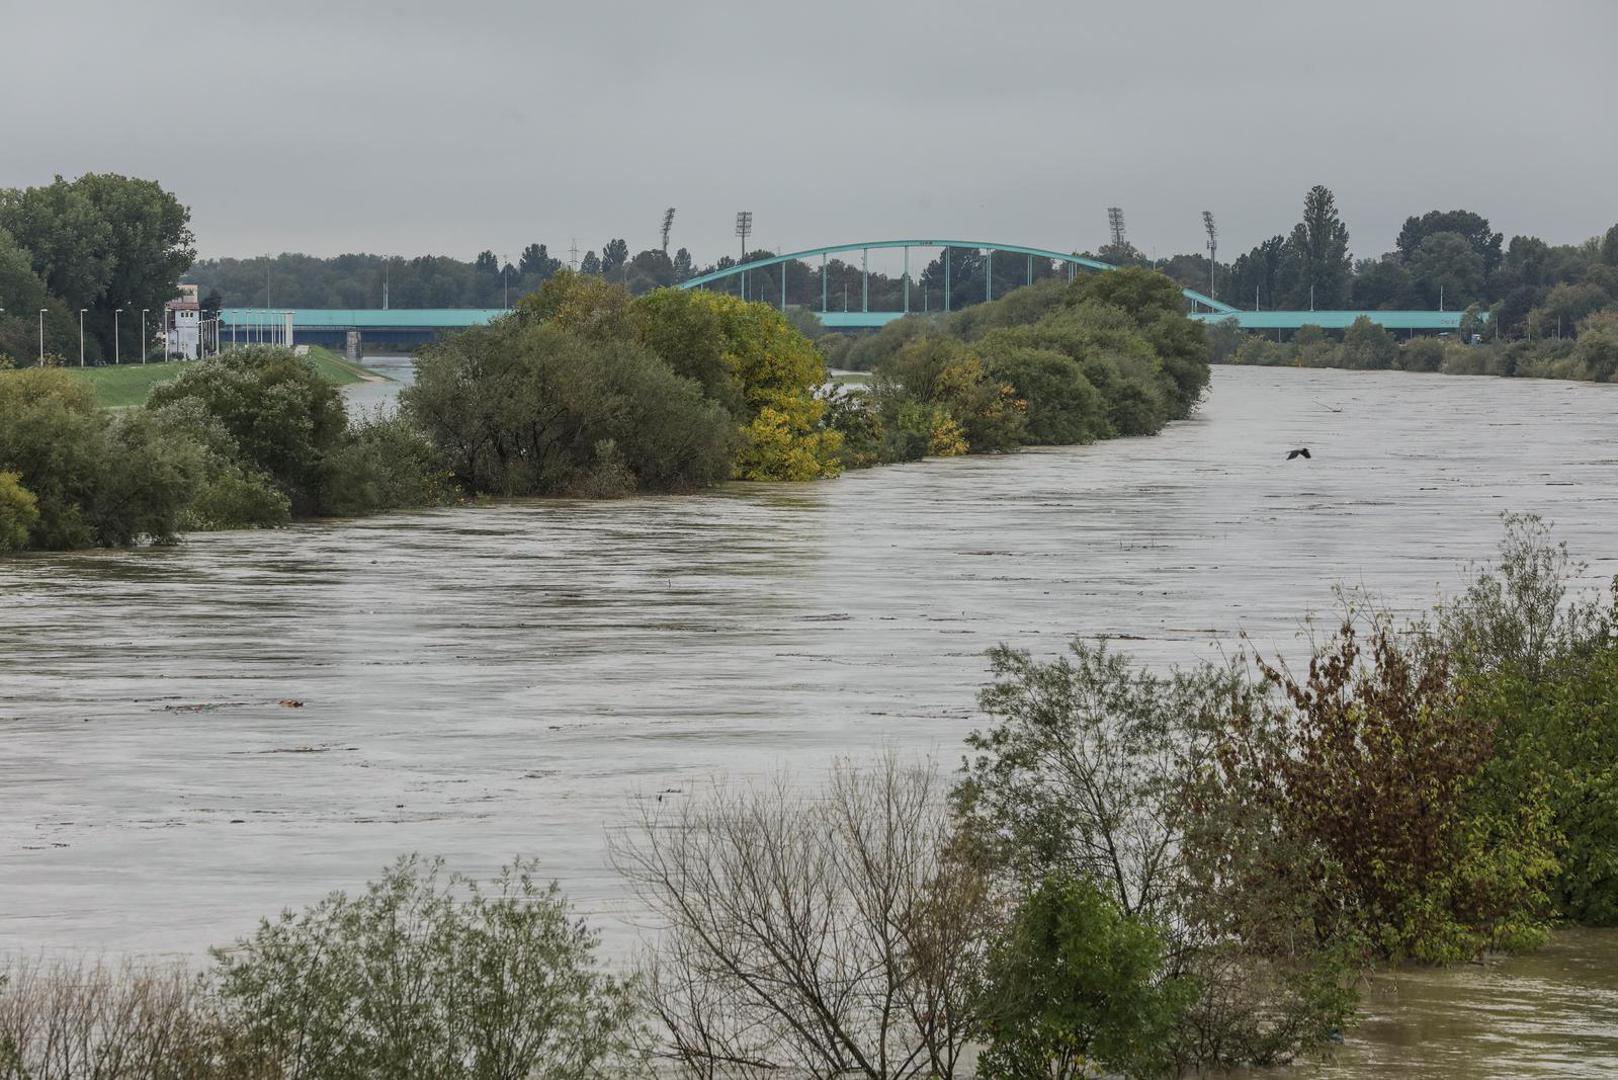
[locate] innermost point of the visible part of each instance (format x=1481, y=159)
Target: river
x=502, y=679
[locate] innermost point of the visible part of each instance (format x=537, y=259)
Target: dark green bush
x=519, y=409
x=98, y=479
x=283, y=417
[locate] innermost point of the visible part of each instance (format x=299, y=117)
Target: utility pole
x=1213, y=249
x=387, y=279
x=573, y=255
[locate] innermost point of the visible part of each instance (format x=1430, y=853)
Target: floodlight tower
x=1213, y=247
x=744, y=226
x=668, y=224
x=1115, y=221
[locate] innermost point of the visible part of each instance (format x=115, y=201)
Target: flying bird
x=1302, y=451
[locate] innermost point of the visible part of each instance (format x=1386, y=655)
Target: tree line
x=1591, y=356
x=1133, y=873
x=1450, y=258
x=1442, y=258
x=94, y=244
x=585, y=389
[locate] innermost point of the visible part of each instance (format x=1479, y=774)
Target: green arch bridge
x=1204, y=308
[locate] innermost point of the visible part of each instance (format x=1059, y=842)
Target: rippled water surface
x=482, y=682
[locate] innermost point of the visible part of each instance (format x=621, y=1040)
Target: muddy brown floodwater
x=483, y=682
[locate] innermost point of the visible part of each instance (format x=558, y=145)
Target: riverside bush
x=282, y=416
x=97, y=479
x=19, y=510
x=525, y=408
x=1053, y=364
x=427, y=974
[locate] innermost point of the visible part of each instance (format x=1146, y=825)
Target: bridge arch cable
x=739, y=269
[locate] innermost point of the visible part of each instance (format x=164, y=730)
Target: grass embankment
x=130, y=384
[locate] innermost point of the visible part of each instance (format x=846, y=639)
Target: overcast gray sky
x=407, y=127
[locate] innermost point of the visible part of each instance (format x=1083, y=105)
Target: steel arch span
x=876, y=318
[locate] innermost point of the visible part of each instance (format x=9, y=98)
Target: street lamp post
x=117, y=354
x=143, y=339
x=81, y=335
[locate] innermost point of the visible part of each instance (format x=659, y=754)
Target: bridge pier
x=823, y=308
x=988, y=276
x=946, y=281
x=907, y=281
x=865, y=279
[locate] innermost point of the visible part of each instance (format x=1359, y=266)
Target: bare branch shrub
x=824, y=934
x=71, y=1021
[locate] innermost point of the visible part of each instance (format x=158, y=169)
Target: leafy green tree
x=945, y=373
x=1472, y=228
x=98, y=479
x=21, y=290
x=67, y=237
x=1257, y=276
x=687, y=331
x=682, y=265
x=537, y=263
x=486, y=263
x=648, y=270
x=428, y=975
x=1315, y=263
x=149, y=242
x=526, y=408
x=1597, y=347
x=1062, y=406
x=1370, y=766
x=1539, y=665
x=1074, y=987
x=284, y=418
x=1383, y=284
x=1157, y=308
x=1564, y=307
x=590, y=264
x=1445, y=269
x=1093, y=769
x=614, y=255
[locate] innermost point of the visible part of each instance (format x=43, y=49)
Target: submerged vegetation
x=586, y=391
x=1134, y=873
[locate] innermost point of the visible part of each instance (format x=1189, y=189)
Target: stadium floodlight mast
x=1213, y=247
x=744, y=225
x=1115, y=223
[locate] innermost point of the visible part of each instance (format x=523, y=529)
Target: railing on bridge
x=866, y=317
